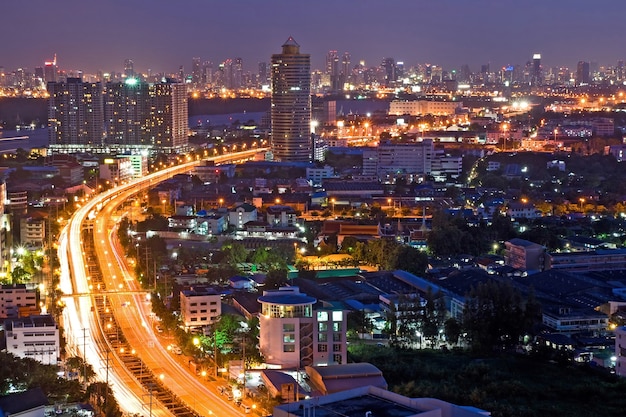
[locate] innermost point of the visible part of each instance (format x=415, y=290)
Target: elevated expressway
x=112, y=328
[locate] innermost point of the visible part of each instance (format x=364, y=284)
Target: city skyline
x=449, y=33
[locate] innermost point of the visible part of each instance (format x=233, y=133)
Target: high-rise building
x=129, y=68
x=196, y=73
x=389, y=68
x=75, y=114
x=50, y=70
x=332, y=70
x=291, y=104
x=536, y=75
x=262, y=77
x=146, y=116
x=345, y=69
x=582, y=73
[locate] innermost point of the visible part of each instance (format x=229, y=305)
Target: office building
x=422, y=107
x=582, y=73
x=75, y=115
x=16, y=300
x=536, y=71
x=389, y=160
x=199, y=307
x=129, y=68
x=291, y=104
x=294, y=334
x=525, y=255
x=35, y=337
x=50, y=70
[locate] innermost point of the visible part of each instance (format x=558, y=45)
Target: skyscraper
x=389, y=70
x=75, y=115
x=196, y=73
x=536, y=75
x=291, y=104
x=582, y=73
x=129, y=68
x=50, y=70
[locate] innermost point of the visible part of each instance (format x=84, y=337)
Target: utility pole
x=85, y=355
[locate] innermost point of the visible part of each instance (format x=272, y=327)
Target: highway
x=112, y=329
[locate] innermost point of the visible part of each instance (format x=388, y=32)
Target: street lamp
x=582, y=201
x=332, y=200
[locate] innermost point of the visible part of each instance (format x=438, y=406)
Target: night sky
x=163, y=34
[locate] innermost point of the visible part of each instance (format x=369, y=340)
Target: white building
x=17, y=300
x=35, y=337
x=293, y=334
x=281, y=216
x=398, y=159
x=444, y=165
x=421, y=107
x=32, y=231
x=200, y=306
x=117, y=170
x=316, y=175
x=241, y=215
x=139, y=163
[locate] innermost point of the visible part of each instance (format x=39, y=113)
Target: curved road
x=83, y=328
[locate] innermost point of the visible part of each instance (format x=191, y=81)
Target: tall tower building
x=333, y=70
x=389, y=70
x=146, y=116
x=536, y=75
x=291, y=104
x=196, y=72
x=75, y=115
x=129, y=68
x=50, y=70
x=582, y=73
x=262, y=77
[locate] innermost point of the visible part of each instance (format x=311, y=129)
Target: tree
x=77, y=364
x=494, y=316
x=452, y=330
x=234, y=252
x=276, y=278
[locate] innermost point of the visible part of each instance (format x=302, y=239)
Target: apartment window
x=194, y=319
x=322, y=327
x=322, y=337
x=289, y=348
x=289, y=327
x=337, y=359
x=193, y=304
x=213, y=303
x=336, y=347
x=322, y=316
x=337, y=315
x=336, y=337
x=203, y=304
x=202, y=311
x=336, y=326
x=322, y=348
x=213, y=310
x=289, y=338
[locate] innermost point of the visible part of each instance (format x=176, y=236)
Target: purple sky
x=163, y=34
